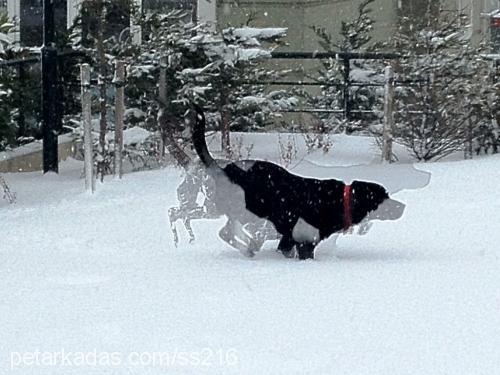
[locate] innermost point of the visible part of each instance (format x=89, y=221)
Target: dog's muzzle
x=390, y=209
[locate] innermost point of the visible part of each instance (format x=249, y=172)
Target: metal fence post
x=49, y=83
x=87, y=128
x=119, y=82
x=388, y=115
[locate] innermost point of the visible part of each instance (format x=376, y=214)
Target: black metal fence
x=346, y=86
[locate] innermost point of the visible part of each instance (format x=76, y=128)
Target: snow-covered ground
x=92, y=284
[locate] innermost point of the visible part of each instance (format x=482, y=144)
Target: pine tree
x=225, y=81
x=18, y=98
x=98, y=31
x=354, y=36
x=438, y=113
x=7, y=126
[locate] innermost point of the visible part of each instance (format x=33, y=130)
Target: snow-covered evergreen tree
x=191, y=61
x=445, y=104
x=354, y=36
x=225, y=81
x=7, y=127
x=10, y=90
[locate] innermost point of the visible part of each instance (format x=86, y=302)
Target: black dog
x=303, y=210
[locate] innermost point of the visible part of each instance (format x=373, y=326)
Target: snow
x=252, y=53
x=98, y=275
x=196, y=72
x=134, y=113
x=259, y=33
x=31, y=148
x=131, y=136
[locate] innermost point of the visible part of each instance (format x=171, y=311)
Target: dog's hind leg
x=189, y=229
x=173, y=216
x=235, y=235
x=193, y=214
x=261, y=230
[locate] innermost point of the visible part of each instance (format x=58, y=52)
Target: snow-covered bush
x=288, y=149
x=318, y=138
x=140, y=149
x=7, y=193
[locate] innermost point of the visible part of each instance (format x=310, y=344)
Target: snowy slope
x=99, y=276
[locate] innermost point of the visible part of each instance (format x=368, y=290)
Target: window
x=161, y=5
x=31, y=21
x=117, y=19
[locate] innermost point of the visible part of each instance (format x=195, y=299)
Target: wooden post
x=135, y=29
x=162, y=97
x=87, y=128
x=347, y=82
x=225, y=129
x=162, y=84
x=388, y=115
x=468, y=151
x=21, y=119
x=476, y=23
x=119, y=81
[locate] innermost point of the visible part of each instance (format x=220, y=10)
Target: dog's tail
x=198, y=138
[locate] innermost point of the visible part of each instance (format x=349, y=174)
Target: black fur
x=271, y=192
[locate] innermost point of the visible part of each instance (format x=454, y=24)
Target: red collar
x=347, y=207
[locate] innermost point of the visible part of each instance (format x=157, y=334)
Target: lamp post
x=49, y=90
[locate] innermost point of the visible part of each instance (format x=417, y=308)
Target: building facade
x=299, y=16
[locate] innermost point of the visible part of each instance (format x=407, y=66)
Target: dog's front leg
x=306, y=250
x=173, y=215
x=286, y=245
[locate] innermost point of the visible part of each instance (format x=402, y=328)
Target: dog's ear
x=365, y=197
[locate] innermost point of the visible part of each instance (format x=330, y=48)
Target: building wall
x=300, y=15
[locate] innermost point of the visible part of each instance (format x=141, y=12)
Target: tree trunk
x=102, y=87
x=171, y=144
x=162, y=98
x=87, y=128
x=225, y=131
x=119, y=82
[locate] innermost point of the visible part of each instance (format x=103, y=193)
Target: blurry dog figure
x=196, y=181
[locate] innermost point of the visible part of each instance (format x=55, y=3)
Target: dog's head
x=371, y=201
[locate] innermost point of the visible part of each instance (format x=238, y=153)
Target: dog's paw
x=291, y=254
x=249, y=253
x=364, y=228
